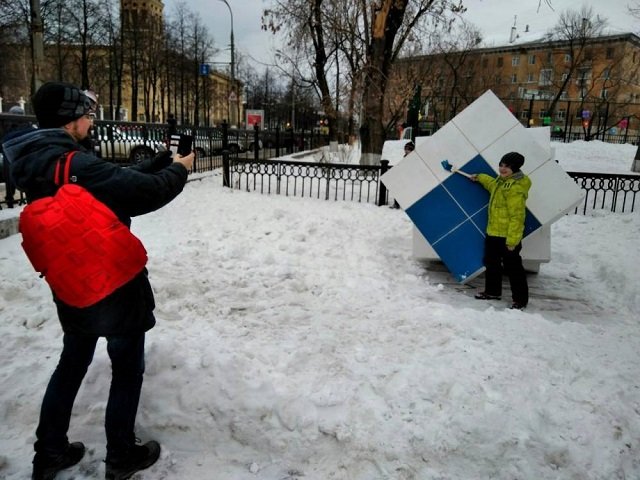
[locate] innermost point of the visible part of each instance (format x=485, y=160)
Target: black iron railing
x=326, y=181
x=244, y=169
x=607, y=191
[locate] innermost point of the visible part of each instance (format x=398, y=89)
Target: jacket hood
x=31, y=154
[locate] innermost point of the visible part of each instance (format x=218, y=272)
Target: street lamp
x=233, y=55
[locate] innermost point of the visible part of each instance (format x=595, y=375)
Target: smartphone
x=181, y=144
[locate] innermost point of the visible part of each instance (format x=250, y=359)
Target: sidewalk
x=9, y=220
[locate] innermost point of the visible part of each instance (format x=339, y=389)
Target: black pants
x=10, y=187
x=127, y=367
x=498, y=257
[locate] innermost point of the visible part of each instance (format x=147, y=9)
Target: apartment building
x=590, y=83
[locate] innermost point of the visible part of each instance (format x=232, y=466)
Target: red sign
x=255, y=117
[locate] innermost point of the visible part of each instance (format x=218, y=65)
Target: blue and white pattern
x=450, y=211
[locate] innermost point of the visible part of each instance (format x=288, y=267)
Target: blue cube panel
x=531, y=224
x=462, y=250
x=481, y=218
x=436, y=214
x=470, y=196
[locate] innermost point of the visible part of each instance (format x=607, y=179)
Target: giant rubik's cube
x=449, y=210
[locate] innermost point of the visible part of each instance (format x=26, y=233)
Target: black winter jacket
x=126, y=191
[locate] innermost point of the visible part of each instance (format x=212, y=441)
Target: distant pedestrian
x=408, y=148
x=15, y=129
x=507, y=212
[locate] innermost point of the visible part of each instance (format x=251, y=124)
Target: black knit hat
x=513, y=160
x=56, y=104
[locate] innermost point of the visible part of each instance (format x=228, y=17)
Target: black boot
x=137, y=458
x=46, y=467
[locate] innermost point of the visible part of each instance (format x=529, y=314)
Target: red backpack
x=78, y=244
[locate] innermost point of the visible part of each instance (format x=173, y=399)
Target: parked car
x=285, y=139
x=119, y=146
x=235, y=142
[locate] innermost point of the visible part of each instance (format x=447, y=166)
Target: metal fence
x=606, y=191
x=251, y=170
x=326, y=181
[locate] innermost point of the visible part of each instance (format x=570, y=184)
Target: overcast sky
x=493, y=17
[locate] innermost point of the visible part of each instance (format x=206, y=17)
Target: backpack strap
x=63, y=166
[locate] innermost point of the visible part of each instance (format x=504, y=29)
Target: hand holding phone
x=181, y=144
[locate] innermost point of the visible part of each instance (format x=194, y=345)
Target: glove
x=161, y=160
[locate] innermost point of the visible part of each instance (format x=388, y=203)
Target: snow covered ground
x=299, y=339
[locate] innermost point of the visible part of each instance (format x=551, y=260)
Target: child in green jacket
x=507, y=211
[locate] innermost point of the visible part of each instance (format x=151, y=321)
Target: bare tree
x=634, y=9
x=369, y=35
x=389, y=26
x=306, y=25
x=572, y=33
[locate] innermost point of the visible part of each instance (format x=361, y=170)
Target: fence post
x=226, y=170
x=382, y=192
x=566, y=122
x=256, y=142
x=616, y=189
x=277, y=142
x=635, y=166
x=626, y=130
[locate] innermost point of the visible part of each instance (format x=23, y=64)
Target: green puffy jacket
x=507, y=205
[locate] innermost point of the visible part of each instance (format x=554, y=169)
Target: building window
x=565, y=76
x=610, y=51
x=514, y=78
x=500, y=62
x=606, y=73
x=498, y=80
x=561, y=115
x=524, y=114
x=545, y=76
x=521, y=92
x=532, y=59
x=515, y=60
x=567, y=58
x=604, y=94
x=531, y=78
x=549, y=57
x=583, y=75
x=564, y=95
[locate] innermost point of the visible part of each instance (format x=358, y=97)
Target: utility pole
x=233, y=64
x=37, y=48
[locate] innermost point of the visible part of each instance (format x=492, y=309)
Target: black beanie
x=513, y=160
x=56, y=104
